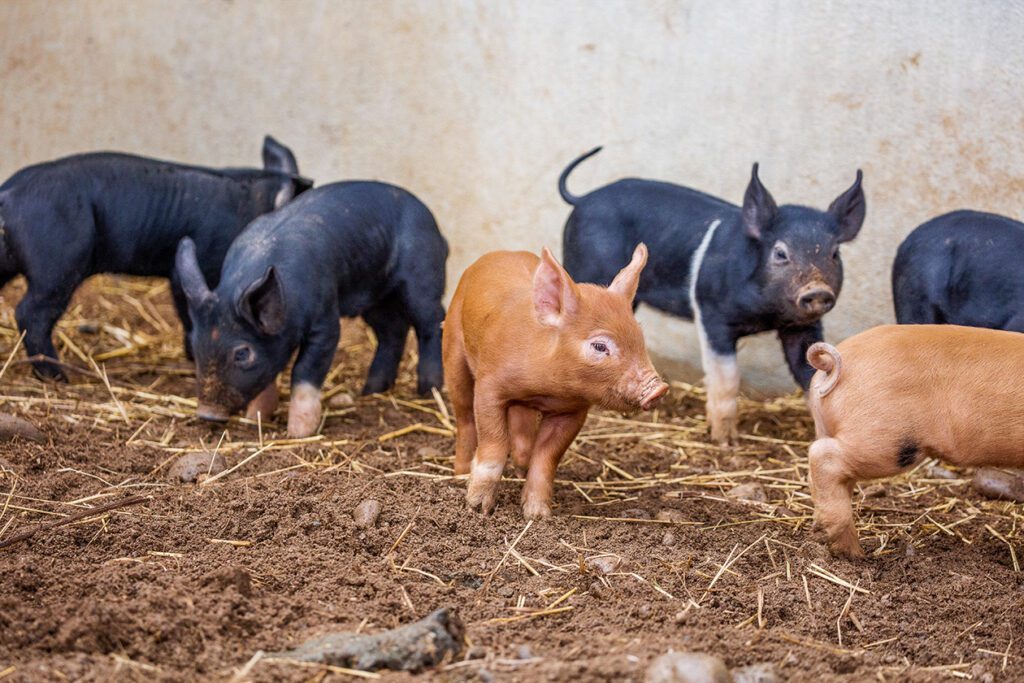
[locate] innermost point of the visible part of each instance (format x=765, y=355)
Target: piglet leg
x=831, y=489
x=311, y=366
x=491, y=451
x=264, y=404
x=554, y=438
x=722, y=380
x=523, y=424
x=304, y=411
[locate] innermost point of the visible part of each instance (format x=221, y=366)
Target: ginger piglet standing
x=889, y=397
x=527, y=352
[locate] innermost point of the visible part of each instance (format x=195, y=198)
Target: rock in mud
x=752, y=492
x=429, y=453
x=191, y=466
x=12, y=427
x=670, y=515
x=755, y=673
x=874, y=491
x=341, y=400
x=688, y=667
x=603, y=564
x=366, y=513
x=940, y=472
x=412, y=647
x=998, y=484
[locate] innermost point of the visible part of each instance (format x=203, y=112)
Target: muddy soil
x=647, y=551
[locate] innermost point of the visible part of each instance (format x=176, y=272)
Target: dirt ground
x=647, y=551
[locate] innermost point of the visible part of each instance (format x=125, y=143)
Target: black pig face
x=799, y=268
x=236, y=340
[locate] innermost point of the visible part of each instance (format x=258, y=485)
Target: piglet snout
x=817, y=301
x=212, y=413
x=654, y=390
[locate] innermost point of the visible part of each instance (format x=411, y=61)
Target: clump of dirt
x=647, y=551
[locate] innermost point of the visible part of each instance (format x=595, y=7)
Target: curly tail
x=826, y=358
x=571, y=198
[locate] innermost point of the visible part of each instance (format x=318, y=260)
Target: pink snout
x=654, y=390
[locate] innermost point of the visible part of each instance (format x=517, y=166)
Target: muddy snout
x=652, y=392
x=213, y=413
x=816, y=299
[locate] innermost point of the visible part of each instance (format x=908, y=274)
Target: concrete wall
x=477, y=106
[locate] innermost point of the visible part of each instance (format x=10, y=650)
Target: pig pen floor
x=646, y=551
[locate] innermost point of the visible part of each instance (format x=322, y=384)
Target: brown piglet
x=887, y=398
x=527, y=352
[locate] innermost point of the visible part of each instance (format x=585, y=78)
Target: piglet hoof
x=304, y=411
x=847, y=545
x=264, y=404
x=376, y=385
x=48, y=372
x=424, y=386
x=723, y=432
x=536, y=509
x=482, y=496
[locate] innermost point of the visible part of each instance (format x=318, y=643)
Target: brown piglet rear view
x=887, y=398
x=527, y=352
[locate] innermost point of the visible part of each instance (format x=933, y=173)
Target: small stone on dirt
x=476, y=652
x=191, y=466
x=688, y=667
x=366, y=513
x=670, y=515
x=635, y=513
x=753, y=492
x=669, y=538
x=999, y=484
x=429, y=453
x=873, y=491
x=603, y=564
x=755, y=673
x=341, y=400
x=524, y=652
x=940, y=472
x=783, y=511
x=12, y=426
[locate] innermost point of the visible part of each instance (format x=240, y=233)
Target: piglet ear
x=849, y=209
x=262, y=303
x=555, y=295
x=759, y=207
x=190, y=276
x=626, y=282
x=277, y=157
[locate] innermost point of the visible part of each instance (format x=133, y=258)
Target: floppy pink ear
x=554, y=292
x=626, y=282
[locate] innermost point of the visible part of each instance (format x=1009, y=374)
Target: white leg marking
x=304, y=411
x=721, y=373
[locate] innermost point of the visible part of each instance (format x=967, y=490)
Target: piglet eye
x=835, y=253
x=600, y=347
x=780, y=255
x=243, y=355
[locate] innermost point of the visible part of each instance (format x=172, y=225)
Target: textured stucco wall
x=477, y=106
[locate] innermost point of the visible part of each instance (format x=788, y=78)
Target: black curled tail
x=571, y=198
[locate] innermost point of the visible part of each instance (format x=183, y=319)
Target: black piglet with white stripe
x=734, y=271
